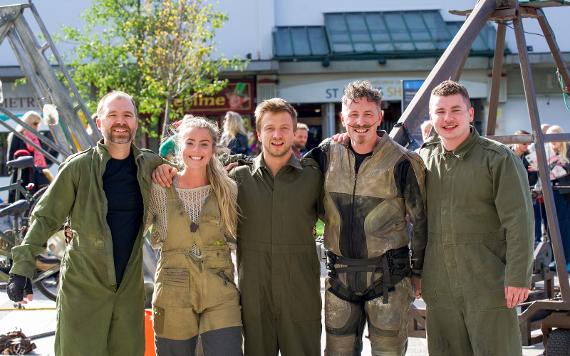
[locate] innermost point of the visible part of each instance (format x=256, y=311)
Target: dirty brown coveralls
x=480, y=221
x=194, y=290
x=94, y=315
x=366, y=235
x=278, y=268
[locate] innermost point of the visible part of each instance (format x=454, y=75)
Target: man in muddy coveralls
x=103, y=190
x=373, y=188
x=479, y=254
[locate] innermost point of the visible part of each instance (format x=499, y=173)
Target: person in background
x=15, y=144
x=193, y=223
x=234, y=135
x=521, y=150
x=300, y=141
x=558, y=157
x=167, y=149
x=426, y=127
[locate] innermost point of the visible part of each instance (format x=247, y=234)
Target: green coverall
x=94, y=317
x=278, y=268
x=480, y=223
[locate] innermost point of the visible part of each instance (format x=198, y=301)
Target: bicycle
x=46, y=278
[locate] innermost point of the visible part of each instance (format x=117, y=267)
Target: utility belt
x=394, y=266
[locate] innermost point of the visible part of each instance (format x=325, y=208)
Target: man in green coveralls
x=478, y=260
x=103, y=190
x=279, y=271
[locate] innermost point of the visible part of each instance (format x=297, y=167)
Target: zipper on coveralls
x=351, y=219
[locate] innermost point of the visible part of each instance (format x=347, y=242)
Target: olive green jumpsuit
x=194, y=291
x=480, y=223
x=279, y=272
x=94, y=316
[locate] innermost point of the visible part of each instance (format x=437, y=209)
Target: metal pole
x=496, y=81
x=42, y=138
x=30, y=142
x=40, y=88
x=446, y=67
x=72, y=85
x=543, y=171
x=551, y=40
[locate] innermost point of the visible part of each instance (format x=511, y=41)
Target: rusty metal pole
x=549, y=36
x=446, y=67
x=496, y=78
x=543, y=170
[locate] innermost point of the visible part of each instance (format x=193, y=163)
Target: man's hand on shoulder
x=341, y=138
x=163, y=175
x=515, y=295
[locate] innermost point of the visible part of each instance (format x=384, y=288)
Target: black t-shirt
x=125, y=209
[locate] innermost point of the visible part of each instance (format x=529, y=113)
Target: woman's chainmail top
x=192, y=198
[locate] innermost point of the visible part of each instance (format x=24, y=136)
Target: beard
x=120, y=137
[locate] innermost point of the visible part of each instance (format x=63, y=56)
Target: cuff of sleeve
x=24, y=261
x=416, y=272
x=24, y=269
x=517, y=283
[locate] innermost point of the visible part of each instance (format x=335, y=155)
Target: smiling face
x=276, y=133
x=451, y=117
x=117, y=121
x=361, y=119
x=197, y=147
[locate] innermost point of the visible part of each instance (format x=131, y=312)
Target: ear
x=342, y=119
x=258, y=135
x=380, y=116
x=471, y=114
x=98, y=122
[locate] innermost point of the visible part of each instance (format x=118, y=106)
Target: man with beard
x=279, y=272
x=103, y=191
x=372, y=188
x=300, y=141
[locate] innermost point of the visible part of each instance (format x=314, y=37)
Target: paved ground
x=39, y=317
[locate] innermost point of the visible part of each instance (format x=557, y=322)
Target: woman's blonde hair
x=224, y=187
x=233, y=124
x=563, y=145
x=29, y=117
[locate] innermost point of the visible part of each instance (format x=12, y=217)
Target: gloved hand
x=18, y=288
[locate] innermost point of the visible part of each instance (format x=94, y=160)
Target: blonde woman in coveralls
x=193, y=223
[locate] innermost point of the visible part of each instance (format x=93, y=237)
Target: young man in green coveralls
x=103, y=190
x=478, y=260
x=279, y=272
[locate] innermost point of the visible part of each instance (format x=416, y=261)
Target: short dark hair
x=361, y=89
x=450, y=87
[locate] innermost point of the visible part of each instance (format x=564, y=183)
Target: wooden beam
x=445, y=68
x=496, y=78
x=543, y=170
x=551, y=40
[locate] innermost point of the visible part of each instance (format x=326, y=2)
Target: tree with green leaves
x=156, y=50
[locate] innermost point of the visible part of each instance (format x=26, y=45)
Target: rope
x=564, y=95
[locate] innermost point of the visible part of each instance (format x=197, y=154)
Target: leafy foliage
x=155, y=50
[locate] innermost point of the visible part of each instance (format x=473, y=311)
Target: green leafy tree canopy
x=155, y=50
